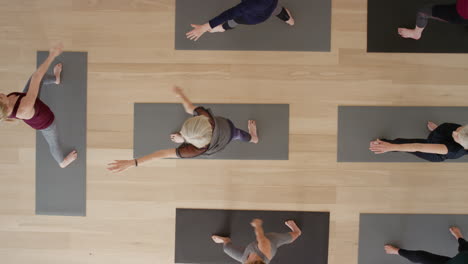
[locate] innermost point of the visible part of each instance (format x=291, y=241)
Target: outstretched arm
x=188, y=106
x=378, y=147
x=27, y=104
x=122, y=165
x=231, y=13
x=263, y=243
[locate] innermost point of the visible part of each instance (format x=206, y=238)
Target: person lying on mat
x=202, y=134
x=454, y=13
x=423, y=257
x=264, y=248
x=28, y=107
x=248, y=12
x=446, y=141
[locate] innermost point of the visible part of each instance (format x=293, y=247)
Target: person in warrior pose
x=424, y=257
x=202, y=134
x=248, y=12
x=264, y=248
x=445, y=141
x=456, y=13
x=27, y=106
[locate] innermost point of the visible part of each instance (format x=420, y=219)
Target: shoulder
x=202, y=111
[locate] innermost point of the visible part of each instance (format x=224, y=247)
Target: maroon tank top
x=462, y=8
x=43, y=116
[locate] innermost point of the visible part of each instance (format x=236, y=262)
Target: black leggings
x=445, y=13
x=424, y=257
x=426, y=156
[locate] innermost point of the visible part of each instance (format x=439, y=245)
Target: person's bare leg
x=72, y=156
x=252, y=125
x=456, y=232
x=411, y=33
x=291, y=19
x=220, y=239
x=389, y=249
x=431, y=126
x=296, y=231
x=57, y=72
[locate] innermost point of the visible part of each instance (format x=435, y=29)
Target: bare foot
x=292, y=225
x=218, y=28
x=252, y=125
x=57, y=72
x=409, y=33
x=456, y=232
x=69, y=159
x=389, y=249
x=431, y=126
x=177, y=138
x=291, y=19
x=220, y=239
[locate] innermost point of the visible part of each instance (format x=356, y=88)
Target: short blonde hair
x=197, y=131
x=3, y=112
x=463, y=136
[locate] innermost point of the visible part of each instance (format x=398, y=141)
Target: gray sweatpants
x=276, y=241
x=50, y=133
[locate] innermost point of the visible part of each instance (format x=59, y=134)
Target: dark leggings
x=445, y=13
x=239, y=134
x=424, y=257
x=280, y=12
x=426, y=156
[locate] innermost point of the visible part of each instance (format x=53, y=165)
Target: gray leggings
x=232, y=23
x=276, y=241
x=50, y=133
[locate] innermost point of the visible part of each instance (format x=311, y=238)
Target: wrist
x=394, y=147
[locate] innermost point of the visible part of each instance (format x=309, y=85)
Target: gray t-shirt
x=276, y=241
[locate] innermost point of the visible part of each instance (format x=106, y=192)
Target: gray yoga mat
x=427, y=232
x=194, y=228
x=358, y=125
x=312, y=31
x=63, y=191
x=385, y=17
x=154, y=122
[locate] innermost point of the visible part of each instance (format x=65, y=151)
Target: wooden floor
x=130, y=217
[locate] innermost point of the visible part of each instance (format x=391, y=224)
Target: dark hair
x=256, y=262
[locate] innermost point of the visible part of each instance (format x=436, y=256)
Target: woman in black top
x=424, y=257
x=446, y=141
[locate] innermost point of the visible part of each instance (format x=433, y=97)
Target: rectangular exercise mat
x=194, y=228
x=63, y=191
x=429, y=232
x=358, y=125
x=385, y=17
x=154, y=122
x=311, y=32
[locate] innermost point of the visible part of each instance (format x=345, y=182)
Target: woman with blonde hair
x=446, y=141
x=264, y=248
x=202, y=134
x=28, y=107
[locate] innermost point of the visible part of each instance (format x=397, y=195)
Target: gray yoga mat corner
x=194, y=228
x=154, y=122
x=385, y=17
x=311, y=32
x=63, y=191
x=427, y=232
x=358, y=125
